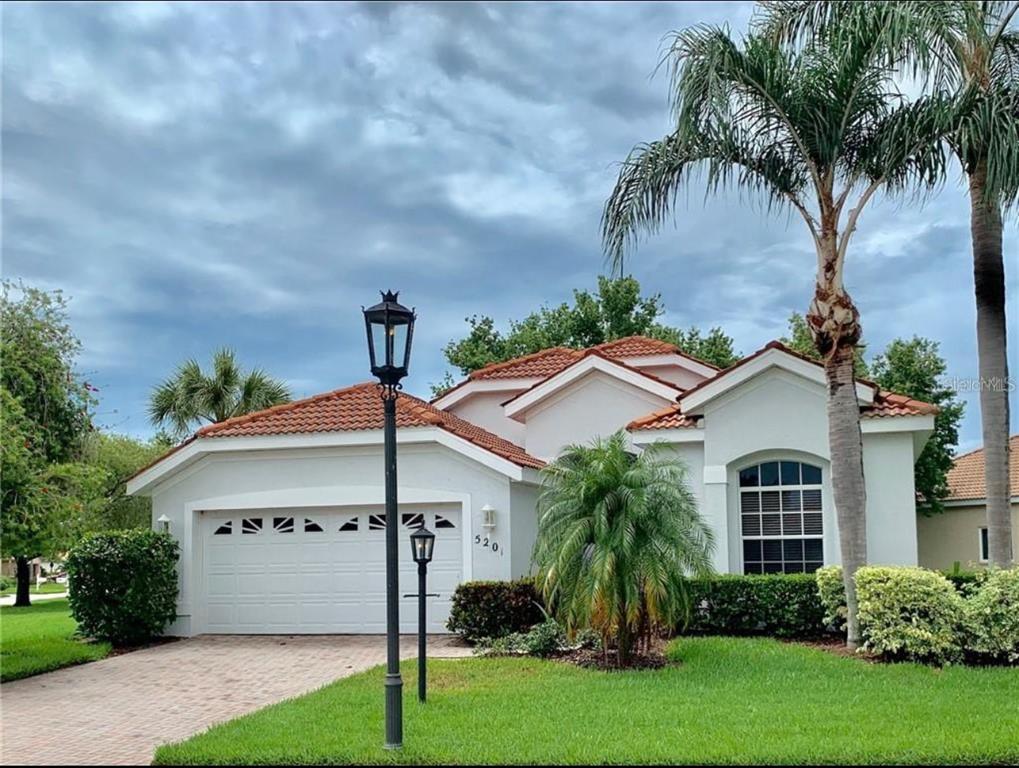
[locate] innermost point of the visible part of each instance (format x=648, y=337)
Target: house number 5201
x=484, y=541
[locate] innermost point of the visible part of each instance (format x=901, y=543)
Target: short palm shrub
x=123, y=585
x=909, y=613
x=992, y=617
x=493, y=609
x=617, y=532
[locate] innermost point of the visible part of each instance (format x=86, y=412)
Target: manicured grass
x=730, y=701
x=41, y=638
x=46, y=588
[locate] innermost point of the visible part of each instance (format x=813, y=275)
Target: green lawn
x=46, y=588
x=41, y=638
x=730, y=701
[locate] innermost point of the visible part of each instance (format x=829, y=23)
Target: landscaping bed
x=41, y=638
x=730, y=700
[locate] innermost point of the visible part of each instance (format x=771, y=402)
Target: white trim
x=674, y=435
x=695, y=401
x=204, y=446
x=877, y=424
x=670, y=358
x=477, y=386
x=980, y=502
x=524, y=402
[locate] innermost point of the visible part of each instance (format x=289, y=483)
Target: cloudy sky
x=250, y=175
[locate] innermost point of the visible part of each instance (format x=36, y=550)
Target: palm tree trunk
x=24, y=576
x=845, y=444
x=989, y=285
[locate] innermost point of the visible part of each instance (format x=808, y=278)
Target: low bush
x=123, y=585
x=909, y=613
x=832, y=592
x=780, y=605
x=992, y=618
x=542, y=640
x=494, y=609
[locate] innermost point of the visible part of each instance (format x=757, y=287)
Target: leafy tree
x=914, y=367
x=971, y=51
x=616, y=534
x=617, y=310
x=191, y=396
x=819, y=129
x=117, y=457
x=46, y=420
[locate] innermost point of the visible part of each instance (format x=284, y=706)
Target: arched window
x=780, y=517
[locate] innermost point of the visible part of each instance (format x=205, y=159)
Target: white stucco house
x=280, y=517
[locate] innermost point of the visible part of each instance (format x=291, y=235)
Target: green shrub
x=123, y=585
x=992, y=617
x=909, y=613
x=493, y=609
x=780, y=605
x=833, y=596
x=6, y=582
x=542, y=640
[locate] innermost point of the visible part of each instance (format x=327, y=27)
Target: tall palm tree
x=616, y=534
x=971, y=50
x=190, y=397
x=819, y=130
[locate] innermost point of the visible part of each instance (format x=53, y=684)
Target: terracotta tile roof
x=966, y=477
x=671, y=417
x=360, y=408
x=549, y=362
x=892, y=404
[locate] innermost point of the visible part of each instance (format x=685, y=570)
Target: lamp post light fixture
x=164, y=523
x=390, y=329
x=422, y=544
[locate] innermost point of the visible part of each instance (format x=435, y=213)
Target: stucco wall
x=594, y=405
x=327, y=477
x=891, y=498
x=523, y=528
x=485, y=410
x=952, y=536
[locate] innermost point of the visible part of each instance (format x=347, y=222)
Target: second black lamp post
x=422, y=544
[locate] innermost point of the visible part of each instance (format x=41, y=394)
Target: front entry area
x=321, y=571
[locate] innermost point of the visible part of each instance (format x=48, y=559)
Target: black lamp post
x=390, y=329
x=422, y=542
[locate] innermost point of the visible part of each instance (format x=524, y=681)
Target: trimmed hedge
x=992, y=618
x=779, y=605
x=493, y=609
x=123, y=585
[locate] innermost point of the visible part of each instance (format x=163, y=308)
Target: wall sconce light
x=164, y=523
x=488, y=516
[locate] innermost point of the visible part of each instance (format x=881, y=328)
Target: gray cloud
x=205, y=174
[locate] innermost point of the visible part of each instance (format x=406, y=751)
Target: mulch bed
x=837, y=646
x=592, y=659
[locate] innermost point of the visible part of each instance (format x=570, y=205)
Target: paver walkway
x=118, y=710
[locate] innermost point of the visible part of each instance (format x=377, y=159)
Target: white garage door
x=314, y=571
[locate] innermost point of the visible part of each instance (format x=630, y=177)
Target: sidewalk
x=9, y=600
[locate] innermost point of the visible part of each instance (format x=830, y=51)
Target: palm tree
x=819, y=130
x=190, y=397
x=970, y=50
x=616, y=534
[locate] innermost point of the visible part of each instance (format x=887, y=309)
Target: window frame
x=780, y=489
x=983, y=544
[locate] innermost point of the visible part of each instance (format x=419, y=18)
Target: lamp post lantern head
x=422, y=542
x=390, y=329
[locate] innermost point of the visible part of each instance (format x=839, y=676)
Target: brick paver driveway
x=118, y=710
